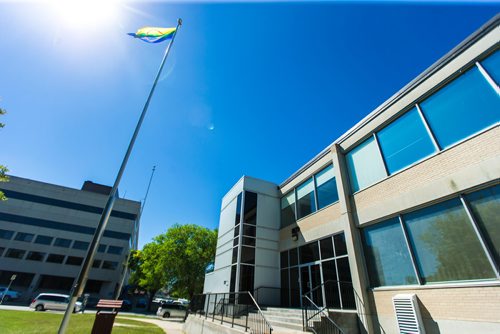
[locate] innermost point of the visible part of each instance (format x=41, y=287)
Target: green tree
x=3, y=169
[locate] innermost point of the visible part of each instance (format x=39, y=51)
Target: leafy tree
x=3, y=169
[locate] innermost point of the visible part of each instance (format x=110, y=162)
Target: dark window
x=250, y=211
x=74, y=260
x=115, y=250
x=235, y=254
x=61, y=242
x=249, y=230
x=248, y=255
x=340, y=246
x=246, y=278
x=5, y=234
x=288, y=209
x=35, y=256
x=101, y=248
x=52, y=283
x=309, y=252
x=55, y=258
x=236, y=241
x=43, y=240
x=237, y=231
x=80, y=245
x=293, y=257
x=15, y=253
x=249, y=241
x=27, y=237
x=237, y=218
x=331, y=283
x=285, y=292
x=96, y=264
x=326, y=187
x=326, y=246
x=110, y=265
x=294, y=287
x=233, y=279
x=306, y=203
x=1, y=250
x=284, y=259
x=346, y=291
x=93, y=286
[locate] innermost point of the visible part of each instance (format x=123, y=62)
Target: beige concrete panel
x=314, y=168
x=471, y=163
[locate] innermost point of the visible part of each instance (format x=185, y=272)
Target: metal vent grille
x=408, y=314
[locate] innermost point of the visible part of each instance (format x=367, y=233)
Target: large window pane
x=305, y=199
x=326, y=187
x=309, y=252
x=387, y=256
x=288, y=209
x=250, y=211
x=445, y=244
x=492, y=66
x=326, y=246
x=485, y=205
x=463, y=107
x=405, y=141
x=365, y=165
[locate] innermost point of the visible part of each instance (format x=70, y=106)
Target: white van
x=53, y=301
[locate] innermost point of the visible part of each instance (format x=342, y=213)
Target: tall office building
x=407, y=202
x=46, y=230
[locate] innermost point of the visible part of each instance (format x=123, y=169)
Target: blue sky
x=249, y=89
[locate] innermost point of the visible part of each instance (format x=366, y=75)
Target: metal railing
x=235, y=308
x=316, y=319
x=339, y=295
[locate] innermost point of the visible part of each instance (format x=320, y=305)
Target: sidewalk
x=173, y=326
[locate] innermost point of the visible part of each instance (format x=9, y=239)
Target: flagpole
x=81, y=280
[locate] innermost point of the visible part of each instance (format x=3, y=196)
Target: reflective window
x=485, y=205
x=80, y=245
x=309, y=252
x=74, y=260
x=463, y=107
x=43, y=240
x=387, y=256
x=115, y=250
x=492, y=66
x=110, y=265
x=5, y=234
x=35, y=256
x=55, y=258
x=61, y=242
x=365, y=165
x=445, y=245
x=340, y=245
x=306, y=203
x=249, y=230
x=405, y=141
x=248, y=241
x=326, y=246
x=288, y=209
x=248, y=255
x=15, y=253
x=101, y=248
x=326, y=187
x=27, y=237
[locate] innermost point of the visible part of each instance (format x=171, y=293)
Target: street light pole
x=81, y=280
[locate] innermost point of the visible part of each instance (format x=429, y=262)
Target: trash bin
x=103, y=323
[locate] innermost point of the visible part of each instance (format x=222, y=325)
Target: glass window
x=233, y=279
x=61, y=242
x=238, y=210
x=115, y=250
x=5, y=234
x=110, y=265
x=326, y=187
x=445, y=245
x=101, y=248
x=80, y=245
x=305, y=199
x=236, y=241
x=235, y=254
x=250, y=210
x=1, y=250
x=249, y=230
x=74, y=260
x=331, y=283
x=405, y=141
x=309, y=252
x=461, y=108
x=293, y=257
x=284, y=259
x=43, y=240
x=248, y=241
x=15, y=253
x=387, y=256
x=246, y=278
x=288, y=209
x=248, y=255
x=237, y=231
x=96, y=264
x=35, y=256
x=345, y=284
x=326, y=246
x=55, y=258
x=365, y=165
x=285, y=293
x=27, y=237
x=485, y=205
x=340, y=246
x=492, y=66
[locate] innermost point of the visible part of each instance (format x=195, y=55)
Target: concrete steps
x=284, y=320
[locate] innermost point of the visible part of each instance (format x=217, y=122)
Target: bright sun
x=86, y=13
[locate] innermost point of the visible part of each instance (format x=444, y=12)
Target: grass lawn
x=45, y=322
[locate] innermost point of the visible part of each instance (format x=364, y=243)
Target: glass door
x=310, y=283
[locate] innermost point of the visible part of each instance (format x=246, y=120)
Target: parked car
x=53, y=301
x=171, y=310
x=127, y=305
x=9, y=294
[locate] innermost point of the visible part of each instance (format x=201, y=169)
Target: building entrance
x=310, y=281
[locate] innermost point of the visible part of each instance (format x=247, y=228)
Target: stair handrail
x=325, y=314
x=261, y=313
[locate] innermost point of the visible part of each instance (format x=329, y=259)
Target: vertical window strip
x=410, y=250
x=381, y=155
x=488, y=77
x=486, y=249
x=428, y=128
x=315, y=194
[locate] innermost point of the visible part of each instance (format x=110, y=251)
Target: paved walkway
x=173, y=326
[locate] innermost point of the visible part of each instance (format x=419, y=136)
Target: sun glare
x=86, y=13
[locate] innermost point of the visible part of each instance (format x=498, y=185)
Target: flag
x=154, y=34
